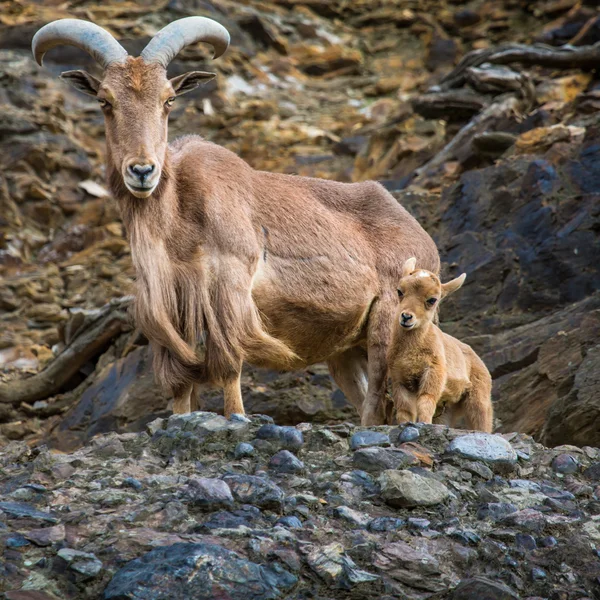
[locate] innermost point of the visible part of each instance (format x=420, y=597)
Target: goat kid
x=278, y=270
x=429, y=368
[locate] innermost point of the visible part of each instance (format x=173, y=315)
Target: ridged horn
x=170, y=40
x=96, y=41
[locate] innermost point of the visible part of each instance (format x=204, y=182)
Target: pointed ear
x=190, y=81
x=82, y=81
x=409, y=266
x=452, y=286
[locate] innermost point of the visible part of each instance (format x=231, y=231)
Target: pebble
x=525, y=541
x=367, y=438
x=208, y=494
x=286, y=437
x=352, y=516
x=593, y=472
x=290, y=521
x=548, y=542
x=417, y=524
x=382, y=459
x=46, y=536
x=408, y=434
x=84, y=563
x=407, y=489
x=380, y=524
x=132, y=482
x=201, y=571
x=480, y=588
x=243, y=449
x=250, y=489
x=285, y=462
x=495, y=510
x=335, y=568
x=528, y=519
x=489, y=448
x=538, y=574
x=565, y=464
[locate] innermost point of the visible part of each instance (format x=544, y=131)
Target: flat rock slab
x=366, y=438
x=406, y=489
x=480, y=588
x=200, y=571
x=20, y=510
x=491, y=449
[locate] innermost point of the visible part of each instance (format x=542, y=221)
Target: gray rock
x=408, y=434
x=201, y=571
x=366, y=438
x=285, y=462
x=250, y=489
x=21, y=510
x=85, y=563
x=527, y=519
x=491, y=449
x=352, y=516
x=495, y=510
x=593, y=472
x=375, y=460
x=565, y=464
x=47, y=535
x=290, y=522
x=480, y=588
x=243, y=449
x=406, y=489
x=288, y=438
x=381, y=524
x=208, y=494
x=335, y=568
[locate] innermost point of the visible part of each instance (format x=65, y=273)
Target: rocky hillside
x=203, y=507
x=495, y=151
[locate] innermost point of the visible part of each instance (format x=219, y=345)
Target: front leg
x=431, y=387
x=379, y=335
x=405, y=404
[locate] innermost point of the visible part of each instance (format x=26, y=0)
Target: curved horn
x=170, y=40
x=85, y=35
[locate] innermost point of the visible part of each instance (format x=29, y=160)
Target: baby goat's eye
x=431, y=301
x=170, y=101
x=400, y=294
x=103, y=103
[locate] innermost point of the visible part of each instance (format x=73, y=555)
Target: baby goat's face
x=136, y=98
x=419, y=292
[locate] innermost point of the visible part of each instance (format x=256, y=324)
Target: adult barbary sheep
x=278, y=270
x=430, y=368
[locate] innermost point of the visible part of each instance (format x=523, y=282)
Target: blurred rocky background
x=496, y=154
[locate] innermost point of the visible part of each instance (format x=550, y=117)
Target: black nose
x=141, y=171
x=406, y=317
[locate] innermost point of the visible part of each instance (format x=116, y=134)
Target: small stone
x=593, y=472
x=538, y=574
x=291, y=522
x=250, y=489
x=285, y=462
x=408, y=434
x=407, y=489
x=47, y=535
x=208, y=494
x=239, y=418
x=352, y=516
x=133, y=483
x=525, y=541
x=22, y=510
x=478, y=468
x=495, y=510
x=382, y=459
x=417, y=524
x=288, y=438
x=527, y=519
x=84, y=563
x=381, y=524
x=16, y=541
x=335, y=568
x=243, y=449
x=366, y=438
x=565, y=464
x=481, y=588
x=489, y=448
x=548, y=542
x=468, y=538
x=362, y=479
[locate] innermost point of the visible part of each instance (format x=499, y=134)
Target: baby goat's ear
x=409, y=266
x=452, y=286
x=82, y=81
x=190, y=81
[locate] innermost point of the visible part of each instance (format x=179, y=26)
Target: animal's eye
x=170, y=101
x=103, y=103
x=400, y=294
x=431, y=301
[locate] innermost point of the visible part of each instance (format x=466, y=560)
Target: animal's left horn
x=82, y=34
x=170, y=40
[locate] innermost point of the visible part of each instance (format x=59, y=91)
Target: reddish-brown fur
x=429, y=368
x=278, y=270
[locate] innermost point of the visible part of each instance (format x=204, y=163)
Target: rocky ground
x=198, y=506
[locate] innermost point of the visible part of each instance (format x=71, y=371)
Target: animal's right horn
x=88, y=36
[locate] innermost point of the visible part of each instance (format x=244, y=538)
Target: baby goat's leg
x=405, y=404
x=430, y=391
x=379, y=337
x=477, y=405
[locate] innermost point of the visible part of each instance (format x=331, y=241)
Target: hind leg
x=232, y=392
x=181, y=399
x=349, y=370
x=477, y=407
